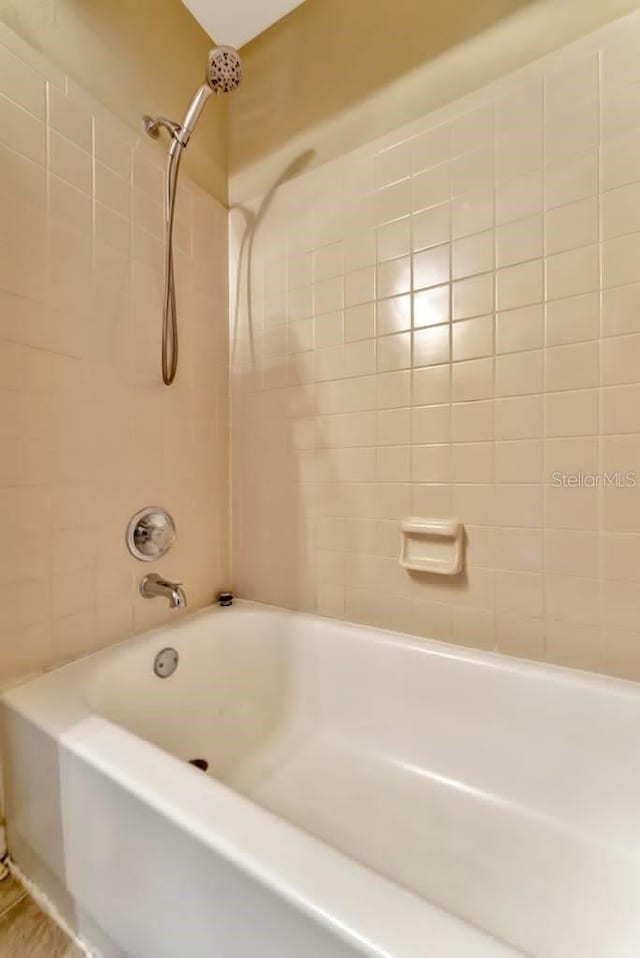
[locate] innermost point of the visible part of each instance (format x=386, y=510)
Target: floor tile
x=11, y=891
x=27, y=931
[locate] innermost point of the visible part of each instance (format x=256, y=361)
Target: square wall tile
x=518, y=154
x=431, y=306
x=573, y=272
x=431, y=148
x=393, y=164
x=472, y=380
x=431, y=267
x=473, y=296
x=620, y=260
x=359, y=322
x=473, y=254
x=393, y=277
x=520, y=285
x=572, y=226
x=572, y=367
x=519, y=373
x=472, y=213
x=394, y=239
x=573, y=320
x=472, y=171
x=472, y=462
x=572, y=413
x=328, y=261
x=619, y=358
x=519, y=417
x=621, y=210
x=569, y=181
x=519, y=198
x=430, y=464
x=359, y=251
x=431, y=187
x=394, y=352
x=472, y=130
x=430, y=424
x=519, y=461
x=69, y=119
x=431, y=385
x=620, y=160
x=431, y=346
x=431, y=227
x=472, y=421
x=393, y=315
x=359, y=287
x=520, y=329
x=519, y=240
x=22, y=131
x=472, y=338
x=392, y=202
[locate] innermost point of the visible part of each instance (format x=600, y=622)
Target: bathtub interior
x=226, y=701
x=504, y=794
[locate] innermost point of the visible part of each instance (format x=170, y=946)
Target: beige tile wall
x=146, y=56
x=88, y=435
x=438, y=323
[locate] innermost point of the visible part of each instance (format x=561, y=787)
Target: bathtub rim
x=439, y=648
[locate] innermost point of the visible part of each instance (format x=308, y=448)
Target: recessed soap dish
x=432, y=545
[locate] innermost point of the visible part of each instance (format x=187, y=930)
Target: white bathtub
x=367, y=794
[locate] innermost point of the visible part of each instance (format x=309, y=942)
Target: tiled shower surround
x=88, y=434
x=446, y=323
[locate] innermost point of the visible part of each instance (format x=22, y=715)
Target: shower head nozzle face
x=224, y=69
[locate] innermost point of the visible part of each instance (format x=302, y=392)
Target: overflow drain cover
x=165, y=663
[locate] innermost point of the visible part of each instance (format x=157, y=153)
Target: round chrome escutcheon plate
x=150, y=533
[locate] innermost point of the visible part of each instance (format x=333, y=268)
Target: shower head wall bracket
x=153, y=125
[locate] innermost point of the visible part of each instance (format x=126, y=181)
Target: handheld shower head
x=224, y=69
x=224, y=73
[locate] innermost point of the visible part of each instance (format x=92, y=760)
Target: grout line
x=94, y=225
x=601, y=391
x=494, y=358
x=545, y=354
x=450, y=199
x=49, y=631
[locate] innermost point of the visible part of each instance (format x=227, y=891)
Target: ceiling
x=237, y=21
